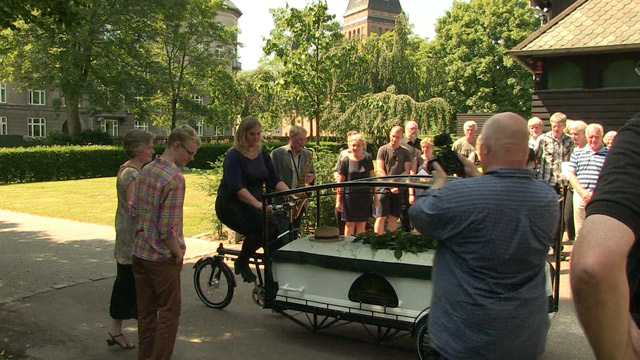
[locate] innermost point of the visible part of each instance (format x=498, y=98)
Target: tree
x=80, y=53
x=471, y=40
x=374, y=64
x=185, y=46
x=375, y=114
x=31, y=11
x=261, y=97
x=303, y=40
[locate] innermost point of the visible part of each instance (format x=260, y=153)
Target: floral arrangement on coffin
x=399, y=241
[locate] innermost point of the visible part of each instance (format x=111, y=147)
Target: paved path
x=40, y=254
x=56, y=278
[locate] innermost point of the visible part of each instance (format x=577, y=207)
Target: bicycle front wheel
x=214, y=283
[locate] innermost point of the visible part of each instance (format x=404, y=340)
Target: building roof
x=392, y=6
x=587, y=26
x=232, y=7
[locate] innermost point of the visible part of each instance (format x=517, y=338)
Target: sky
x=256, y=22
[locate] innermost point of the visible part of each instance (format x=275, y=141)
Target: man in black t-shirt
x=605, y=264
x=392, y=159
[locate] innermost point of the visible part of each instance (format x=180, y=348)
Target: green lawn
x=94, y=201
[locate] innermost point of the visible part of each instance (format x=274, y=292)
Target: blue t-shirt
x=494, y=233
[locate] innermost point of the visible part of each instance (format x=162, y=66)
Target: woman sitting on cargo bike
x=247, y=168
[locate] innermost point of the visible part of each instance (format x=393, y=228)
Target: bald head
x=504, y=142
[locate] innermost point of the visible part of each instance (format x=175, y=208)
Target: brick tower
x=364, y=17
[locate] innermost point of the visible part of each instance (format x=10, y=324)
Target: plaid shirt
x=158, y=201
x=550, y=153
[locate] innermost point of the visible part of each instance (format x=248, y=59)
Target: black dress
x=356, y=201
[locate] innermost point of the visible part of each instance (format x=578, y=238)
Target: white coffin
x=321, y=274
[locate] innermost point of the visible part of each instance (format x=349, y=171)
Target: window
x=3, y=125
x=36, y=127
x=142, y=125
x=197, y=99
x=617, y=74
x=199, y=128
x=219, y=52
x=110, y=126
x=566, y=75
x=37, y=97
x=219, y=131
x=3, y=93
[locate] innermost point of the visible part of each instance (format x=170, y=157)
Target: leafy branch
x=399, y=241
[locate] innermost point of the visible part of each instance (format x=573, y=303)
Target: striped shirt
x=586, y=164
x=550, y=153
x=159, y=199
x=494, y=232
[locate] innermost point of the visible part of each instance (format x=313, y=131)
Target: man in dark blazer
x=294, y=163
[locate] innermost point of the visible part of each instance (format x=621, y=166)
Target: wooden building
x=585, y=60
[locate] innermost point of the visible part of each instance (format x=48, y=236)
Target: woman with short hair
x=138, y=145
x=356, y=202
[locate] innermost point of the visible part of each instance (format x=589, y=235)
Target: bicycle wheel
x=214, y=283
x=423, y=339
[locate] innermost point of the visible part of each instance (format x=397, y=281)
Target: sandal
x=127, y=345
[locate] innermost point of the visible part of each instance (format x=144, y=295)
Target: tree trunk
x=174, y=115
x=317, y=127
x=73, y=117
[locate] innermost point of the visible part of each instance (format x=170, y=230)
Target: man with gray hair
x=584, y=171
x=608, y=138
x=467, y=144
x=489, y=299
x=553, y=148
x=294, y=164
x=535, y=130
x=411, y=143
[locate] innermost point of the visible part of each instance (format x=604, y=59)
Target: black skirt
x=123, y=297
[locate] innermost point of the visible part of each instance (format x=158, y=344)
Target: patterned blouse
x=125, y=220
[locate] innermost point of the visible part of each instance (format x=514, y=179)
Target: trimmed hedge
x=43, y=163
x=59, y=163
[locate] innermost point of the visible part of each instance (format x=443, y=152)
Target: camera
x=445, y=157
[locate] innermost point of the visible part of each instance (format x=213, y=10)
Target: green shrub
x=86, y=137
x=59, y=163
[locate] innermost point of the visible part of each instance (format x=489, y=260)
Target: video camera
x=445, y=157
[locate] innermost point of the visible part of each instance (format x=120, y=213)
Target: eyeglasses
x=191, y=153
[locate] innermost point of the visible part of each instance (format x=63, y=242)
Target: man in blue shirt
x=494, y=233
x=584, y=171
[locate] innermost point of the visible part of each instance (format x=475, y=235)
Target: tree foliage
x=375, y=114
x=186, y=64
x=261, y=94
x=471, y=40
x=149, y=58
x=304, y=40
x=81, y=54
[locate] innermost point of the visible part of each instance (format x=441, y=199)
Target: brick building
x=364, y=17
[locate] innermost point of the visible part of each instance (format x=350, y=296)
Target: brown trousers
x=159, y=301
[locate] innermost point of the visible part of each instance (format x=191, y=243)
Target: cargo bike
x=320, y=283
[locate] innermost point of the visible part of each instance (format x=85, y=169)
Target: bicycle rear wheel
x=214, y=283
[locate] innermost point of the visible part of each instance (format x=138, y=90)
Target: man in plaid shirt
x=553, y=148
x=159, y=247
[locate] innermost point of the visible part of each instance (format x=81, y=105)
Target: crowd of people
x=494, y=227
